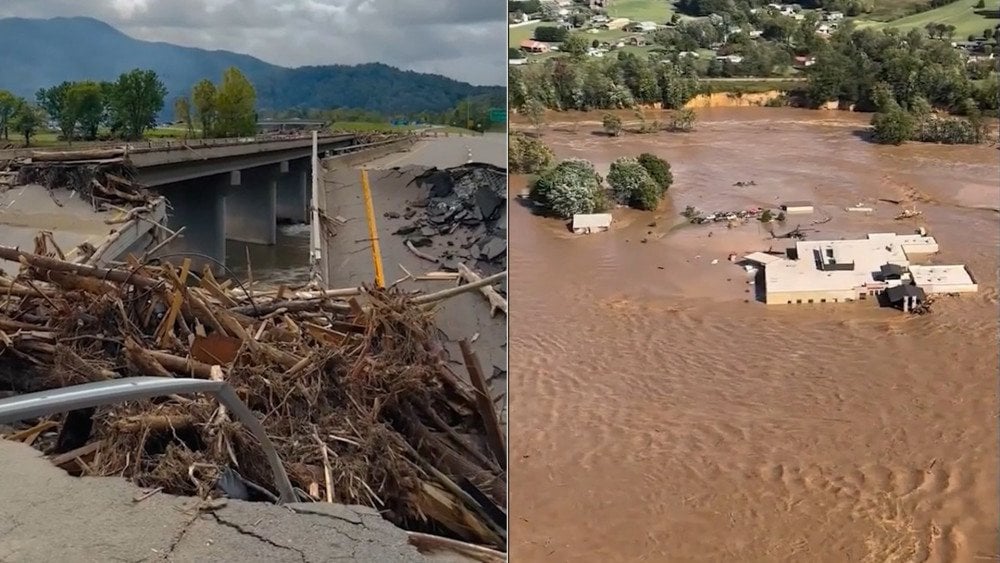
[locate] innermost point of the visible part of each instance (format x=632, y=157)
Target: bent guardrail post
x=44, y=403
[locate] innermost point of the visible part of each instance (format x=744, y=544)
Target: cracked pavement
x=48, y=515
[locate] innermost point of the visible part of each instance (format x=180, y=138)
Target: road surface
x=348, y=256
x=47, y=515
x=445, y=152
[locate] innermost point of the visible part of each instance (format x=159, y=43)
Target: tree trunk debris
x=348, y=384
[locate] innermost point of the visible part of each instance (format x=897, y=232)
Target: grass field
x=658, y=11
x=960, y=14
x=517, y=34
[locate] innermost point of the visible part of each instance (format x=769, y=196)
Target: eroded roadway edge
x=46, y=515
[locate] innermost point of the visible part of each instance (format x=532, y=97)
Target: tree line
x=127, y=107
x=910, y=65
x=577, y=83
x=228, y=109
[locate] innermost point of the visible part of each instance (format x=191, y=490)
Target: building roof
x=762, y=258
x=869, y=255
x=788, y=204
x=941, y=275
x=532, y=44
x=591, y=220
x=898, y=292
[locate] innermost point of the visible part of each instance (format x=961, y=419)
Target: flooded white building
x=833, y=271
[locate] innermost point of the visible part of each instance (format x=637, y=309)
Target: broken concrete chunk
x=420, y=242
x=489, y=203
x=391, y=215
x=405, y=230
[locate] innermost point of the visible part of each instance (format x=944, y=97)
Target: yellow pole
x=372, y=231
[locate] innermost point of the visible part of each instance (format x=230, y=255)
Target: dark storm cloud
x=463, y=39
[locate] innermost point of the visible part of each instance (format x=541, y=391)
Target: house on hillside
x=532, y=46
x=824, y=29
x=641, y=27
x=734, y=59
x=834, y=16
x=804, y=61
x=617, y=23
x=636, y=41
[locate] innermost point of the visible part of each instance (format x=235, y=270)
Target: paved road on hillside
x=445, y=152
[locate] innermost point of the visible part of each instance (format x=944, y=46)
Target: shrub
x=659, y=169
x=631, y=185
x=572, y=187
x=682, y=120
x=528, y=155
x=612, y=124
x=892, y=127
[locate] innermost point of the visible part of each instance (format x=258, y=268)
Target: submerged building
x=833, y=271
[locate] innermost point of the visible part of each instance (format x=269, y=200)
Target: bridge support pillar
x=293, y=192
x=199, y=206
x=251, y=207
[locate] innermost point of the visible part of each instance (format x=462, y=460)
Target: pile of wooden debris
x=104, y=177
x=351, y=385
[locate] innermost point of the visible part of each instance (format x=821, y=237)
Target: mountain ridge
x=39, y=53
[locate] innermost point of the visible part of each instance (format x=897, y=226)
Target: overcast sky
x=462, y=39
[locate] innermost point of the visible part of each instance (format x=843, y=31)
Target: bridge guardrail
x=164, y=144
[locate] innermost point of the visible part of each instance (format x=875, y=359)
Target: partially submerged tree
x=682, y=120
x=612, y=124
x=527, y=155
x=572, y=187
x=659, y=169
x=534, y=110
x=892, y=127
x=632, y=185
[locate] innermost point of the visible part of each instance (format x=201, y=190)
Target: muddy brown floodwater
x=659, y=413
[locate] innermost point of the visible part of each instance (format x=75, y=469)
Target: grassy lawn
x=658, y=11
x=517, y=34
x=960, y=14
x=888, y=10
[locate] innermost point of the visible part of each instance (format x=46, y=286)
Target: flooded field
x=659, y=413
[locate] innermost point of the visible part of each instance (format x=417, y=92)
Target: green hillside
x=961, y=14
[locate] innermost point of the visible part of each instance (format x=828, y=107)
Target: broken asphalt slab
x=51, y=516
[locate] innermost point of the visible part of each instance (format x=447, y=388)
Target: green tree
x=204, y=97
x=550, y=34
x=54, y=101
x=235, y=103
x=612, y=124
x=182, y=113
x=632, y=185
x=682, y=120
x=8, y=105
x=85, y=103
x=658, y=168
x=575, y=45
x=527, y=155
x=677, y=87
x=138, y=96
x=893, y=127
x=535, y=112
x=980, y=4
x=26, y=120
x=572, y=187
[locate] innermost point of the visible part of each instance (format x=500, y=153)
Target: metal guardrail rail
x=45, y=403
x=167, y=144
